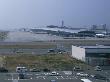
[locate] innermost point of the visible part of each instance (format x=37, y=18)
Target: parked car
x=34, y=70
x=54, y=73
x=82, y=74
x=77, y=69
x=21, y=76
x=46, y=70
x=98, y=68
x=21, y=69
x=60, y=51
x=51, y=51
x=2, y=69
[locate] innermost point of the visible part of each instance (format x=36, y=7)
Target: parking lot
x=63, y=76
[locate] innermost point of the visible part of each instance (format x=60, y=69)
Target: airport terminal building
x=93, y=55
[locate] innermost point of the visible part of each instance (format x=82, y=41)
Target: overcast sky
x=33, y=13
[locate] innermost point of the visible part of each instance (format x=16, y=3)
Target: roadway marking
x=43, y=77
x=40, y=77
x=56, y=77
x=29, y=74
x=62, y=77
x=37, y=74
x=31, y=78
x=66, y=78
x=75, y=77
x=37, y=77
x=16, y=79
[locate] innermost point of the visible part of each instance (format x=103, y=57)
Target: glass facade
x=98, y=61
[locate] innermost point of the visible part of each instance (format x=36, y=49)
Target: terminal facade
x=92, y=55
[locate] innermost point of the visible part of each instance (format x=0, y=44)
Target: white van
x=21, y=69
x=86, y=80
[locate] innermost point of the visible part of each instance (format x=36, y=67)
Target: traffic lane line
x=56, y=77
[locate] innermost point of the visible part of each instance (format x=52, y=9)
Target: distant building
x=86, y=34
x=94, y=27
x=93, y=55
x=101, y=29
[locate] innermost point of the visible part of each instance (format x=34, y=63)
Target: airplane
x=100, y=35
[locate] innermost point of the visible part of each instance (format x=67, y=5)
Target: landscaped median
x=51, y=62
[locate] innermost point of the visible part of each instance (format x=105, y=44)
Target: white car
x=86, y=80
x=20, y=69
x=54, y=73
x=46, y=73
x=82, y=74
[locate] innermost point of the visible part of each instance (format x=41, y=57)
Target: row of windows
x=105, y=55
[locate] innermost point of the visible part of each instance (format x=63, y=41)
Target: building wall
x=78, y=53
x=92, y=56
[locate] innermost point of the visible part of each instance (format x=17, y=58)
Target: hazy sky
x=33, y=13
